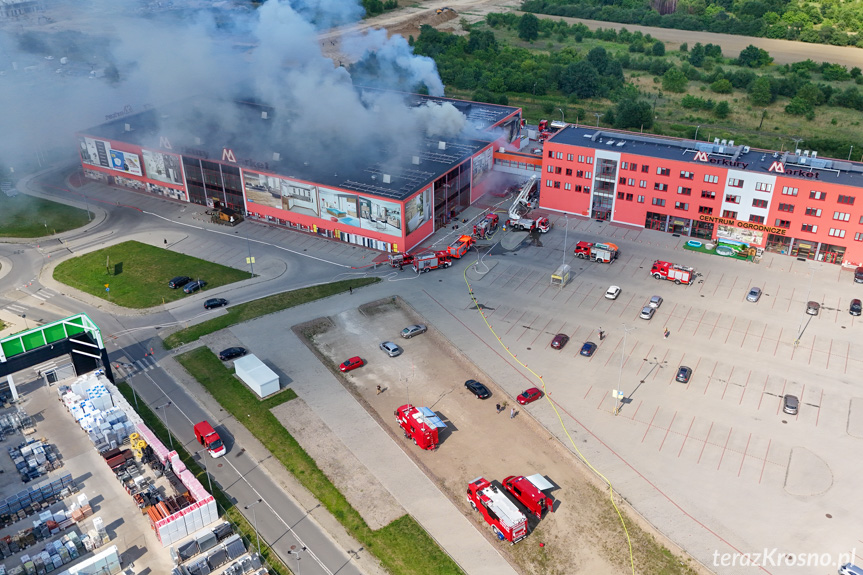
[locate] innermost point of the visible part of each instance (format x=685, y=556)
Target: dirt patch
x=582, y=535
x=365, y=493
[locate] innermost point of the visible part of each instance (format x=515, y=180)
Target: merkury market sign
x=739, y=224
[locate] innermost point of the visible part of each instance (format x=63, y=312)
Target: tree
x=633, y=114
x=754, y=57
x=674, y=80
x=696, y=56
x=580, y=79
x=722, y=110
x=760, y=93
x=599, y=58
x=798, y=107
x=722, y=86
x=658, y=49
x=528, y=27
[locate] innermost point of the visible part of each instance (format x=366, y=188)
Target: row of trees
x=838, y=23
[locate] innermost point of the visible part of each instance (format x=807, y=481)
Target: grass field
x=403, y=546
x=138, y=274
x=25, y=217
x=261, y=307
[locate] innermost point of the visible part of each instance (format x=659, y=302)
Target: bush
x=722, y=110
x=722, y=86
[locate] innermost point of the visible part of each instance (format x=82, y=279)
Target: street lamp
x=207, y=471
x=88, y=208
x=696, y=135
x=163, y=407
x=255, y=521
x=296, y=554
x=565, y=233
x=626, y=330
x=562, y=119
x=597, y=118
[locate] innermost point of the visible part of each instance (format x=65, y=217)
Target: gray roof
x=730, y=155
x=383, y=167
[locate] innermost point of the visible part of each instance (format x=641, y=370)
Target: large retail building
x=793, y=202
x=391, y=201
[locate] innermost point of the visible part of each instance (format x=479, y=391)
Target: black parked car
x=855, y=307
x=215, y=302
x=683, y=374
x=194, y=286
x=179, y=282
x=231, y=353
x=478, y=389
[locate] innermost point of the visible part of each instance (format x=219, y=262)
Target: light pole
x=597, y=114
x=251, y=259
x=626, y=330
x=87, y=204
x=255, y=521
x=163, y=407
x=296, y=554
x=562, y=119
x=207, y=471
x=808, y=293
x=565, y=233
x=696, y=135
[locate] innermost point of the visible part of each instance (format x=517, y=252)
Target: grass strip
x=137, y=274
x=24, y=216
x=403, y=546
x=241, y=526
x=261, y=307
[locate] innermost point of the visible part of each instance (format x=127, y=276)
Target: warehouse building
x=388, y=198
x=792, y=202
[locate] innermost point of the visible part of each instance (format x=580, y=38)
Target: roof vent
x=388, y=179
x=127, y=127
x=609, y=143
x=730, y=142
x=441, y=145
x=724, y=142
x=806, y=153
x=415, y=160
x=264, y=115
x=797, y=151
x=197, y=141
x=746, y=149
x=716, y=141
x=276, y=156
x=814, y=154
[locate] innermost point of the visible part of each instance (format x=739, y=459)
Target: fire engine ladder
x=521, y=206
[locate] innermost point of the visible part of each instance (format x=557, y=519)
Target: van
x=850, y=569
x=858, y=275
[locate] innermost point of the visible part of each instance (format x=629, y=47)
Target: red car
x=351, y=363
x=529, y=396
x=559, y=341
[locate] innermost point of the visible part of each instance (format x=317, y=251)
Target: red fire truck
x=507, y=522
x=427, y=262
x=541, y=224
x=419, y=424
x=529, y=492
x=401, y=259
x=460, y=247
x=486, y=226
x=596, y=252
x=672, y=272
x=207, y=436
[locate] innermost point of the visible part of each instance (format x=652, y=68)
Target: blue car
x=588, y=348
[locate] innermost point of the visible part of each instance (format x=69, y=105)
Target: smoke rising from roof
x=271, y=55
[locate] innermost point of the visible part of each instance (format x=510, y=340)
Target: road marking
x=724, y=447
x=667, y=430
x=686, y=436
x=818, y=414
x=17, y=308
x=703, y=445
x=727, y=381
x=649, y=424
x=764, y=465
x=742, y=461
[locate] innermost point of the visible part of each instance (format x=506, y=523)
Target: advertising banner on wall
x=370, y=214
x=418, y=210
x=163, y=167
x=126, y=162
x=281, y=194
x=95, y=152
x=482, y=163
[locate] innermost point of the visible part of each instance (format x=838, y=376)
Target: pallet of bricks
x=35, y=498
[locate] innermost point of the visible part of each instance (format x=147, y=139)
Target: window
x=786, y=208
x=705, y=210
x=548, y=183
x=816, y=195
x=684, y=191
x=708, y=194
x=809, y=228
x=732, y=199
x=789, y=191
x=560, y=155
x=633, y=167
x=640, y=199
x=686, y=175
x=567, y=186
x=630, y=182
x=662, y=171
x=815, y=212
x=681, y=206
x=581, y=159
x=841, y=216
x=558, y=170
x=624, y=165
x=660, y=187
x=729, y=214
x=759, y=203
x=557, y=184
x=569, y=157
x=569, y=171
x=763, y=187
x=580, y=173
x=550, y=169
x=588, y=175
x=551, y=155
x=735, y=183
x=642, y=184
x=756, y=219
x=836, y=233
x=590, y=159
x=586, y=189
x=858, y=237
x=619, y=195
x=658, y=202
x=711, y=179
x=783, y=223
x=577, y=188
x=846, y=200
x=645, y=169
x=629, y=197
x=621, y=180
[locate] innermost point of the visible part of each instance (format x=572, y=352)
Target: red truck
x=529, y=492
x=460, y=247
x=433, y=261
x=542, y=224
x=420, y=424
x=507, y=522
x=486, y=226
x=672, y=272
x=401, y=259
x=207, y=436
x=596, y=252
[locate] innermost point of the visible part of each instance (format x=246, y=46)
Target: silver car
x=391, y=349
x=754, y=294
x=655, y=301
x=647, y=312
x=790, y=404
x=813, y=307
x=413, y=330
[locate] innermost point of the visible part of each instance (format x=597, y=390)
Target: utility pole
x=255, y=521
x=626, y=330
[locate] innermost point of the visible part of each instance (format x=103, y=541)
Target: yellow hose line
x=559, y=418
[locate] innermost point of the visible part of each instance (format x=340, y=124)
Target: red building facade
x=791, y=202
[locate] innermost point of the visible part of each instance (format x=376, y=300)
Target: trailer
x=506, y=521
x=460, y=247
x=597, y=252
x=427, y=262
x=420, y=424
x=673, y=272
x=529, y=492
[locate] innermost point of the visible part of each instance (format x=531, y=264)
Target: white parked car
x=647, y=312
x=655, y=301
x=612, y=292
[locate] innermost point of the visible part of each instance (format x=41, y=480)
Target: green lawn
x=260, y=307
x=138, y=274
x=403, y=546
x=26, y=217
